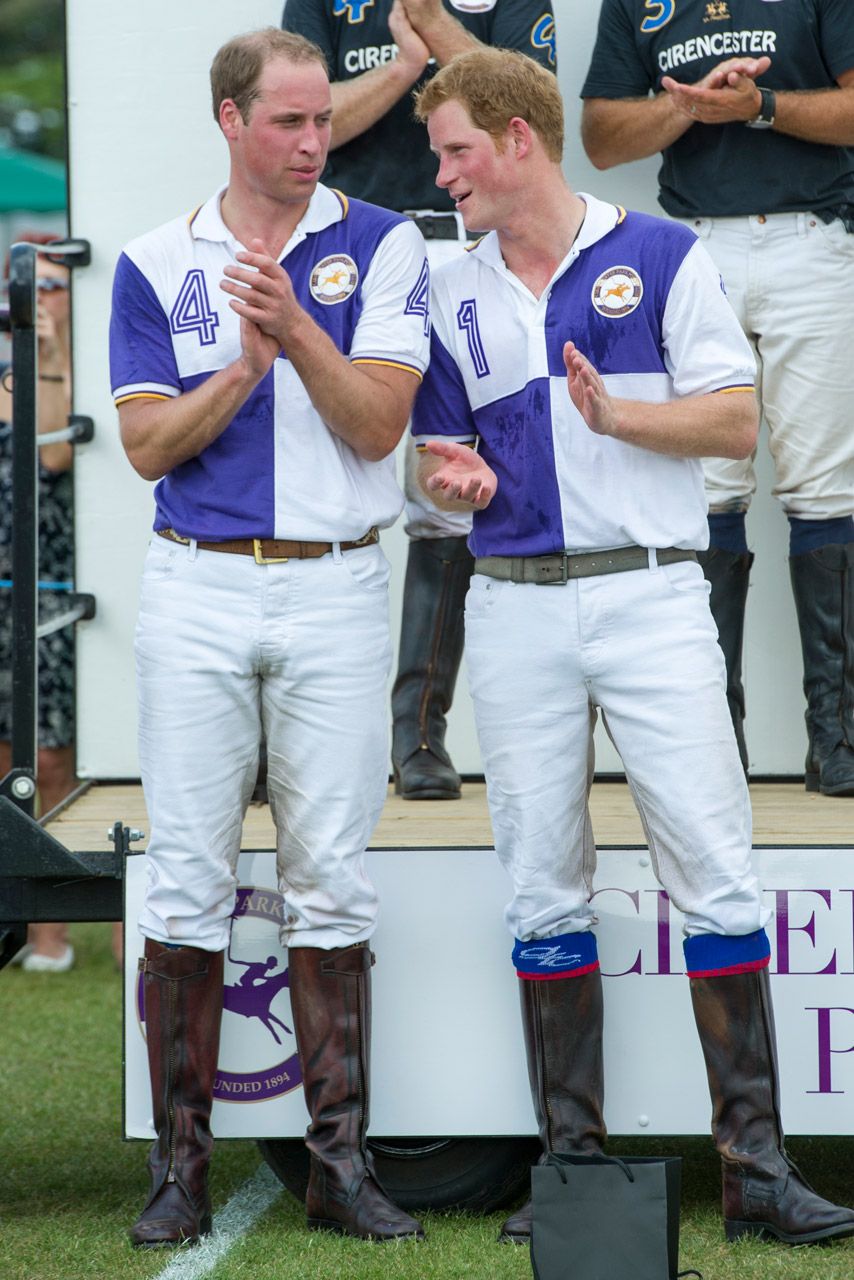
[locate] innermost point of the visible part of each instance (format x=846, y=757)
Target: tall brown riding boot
x=764, y=1194
x=331, y=1007
x=183, y=1010
x=562, y=1020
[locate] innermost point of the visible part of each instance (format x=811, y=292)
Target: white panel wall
x=143, y=146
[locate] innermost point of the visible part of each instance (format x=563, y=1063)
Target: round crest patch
x=334, y=278
x=617, y=292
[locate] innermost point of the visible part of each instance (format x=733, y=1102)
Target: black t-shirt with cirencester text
x=724, y=170
x=391, y=164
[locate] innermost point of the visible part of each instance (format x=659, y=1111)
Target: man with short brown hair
x=270, y=424
x=591, y=357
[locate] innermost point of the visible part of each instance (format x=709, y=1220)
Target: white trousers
x=641, y=646
x=787, y=276
x=423, y=519
x=224, y=645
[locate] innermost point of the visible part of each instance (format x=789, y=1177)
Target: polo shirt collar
x=324, y=208
x=599, y=220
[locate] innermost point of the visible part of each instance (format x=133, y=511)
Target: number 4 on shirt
x=192, y=310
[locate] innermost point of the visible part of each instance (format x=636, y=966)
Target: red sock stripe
x=552, y=977
x=750, y=966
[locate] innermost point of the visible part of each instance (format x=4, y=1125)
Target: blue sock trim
x=727, y=532
x=811, y=535
x=710, y=955
x=567, y=955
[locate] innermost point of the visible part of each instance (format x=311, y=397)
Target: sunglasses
x=47, y=284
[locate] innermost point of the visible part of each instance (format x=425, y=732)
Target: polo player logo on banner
x=261, y=1061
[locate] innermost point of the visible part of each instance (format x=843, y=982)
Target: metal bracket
x=42, y=880
x=18, y=785
x=81, y=608
x=68, y=253
x=121, y=838
x=80, y=430
x=28, y=850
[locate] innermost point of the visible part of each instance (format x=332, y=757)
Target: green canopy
x=29, y=181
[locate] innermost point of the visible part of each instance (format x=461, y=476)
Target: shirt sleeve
x=705, y=349
x=312, y=19
x=142, y=359
x=527, y=26
x=442, y=407
x=616, y=69
x=394, y=327
x=837, y=35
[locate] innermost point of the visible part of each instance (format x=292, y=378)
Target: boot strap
x=351, y=962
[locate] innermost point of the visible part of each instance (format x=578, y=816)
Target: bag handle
x=558, y=1162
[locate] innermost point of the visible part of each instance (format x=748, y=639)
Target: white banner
x=447, y=1052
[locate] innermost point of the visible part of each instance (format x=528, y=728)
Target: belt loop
x=337, y=556
x=193, y=549
x=653, y=559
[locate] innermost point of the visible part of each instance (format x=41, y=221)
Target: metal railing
x=39, y=878
x=25, y=509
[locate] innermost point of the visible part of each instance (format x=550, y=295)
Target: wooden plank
x=783, y=814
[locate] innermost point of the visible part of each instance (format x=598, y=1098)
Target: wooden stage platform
x=783, y=814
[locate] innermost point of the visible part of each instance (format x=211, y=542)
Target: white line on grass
x=234, y=1220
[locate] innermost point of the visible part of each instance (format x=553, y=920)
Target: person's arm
x=711, y=408
x=54, y=392
x=617, y=130
x=366, y=405
x=360, y=102
x=819, y=115
x=159, y=434
x=720, y=425
x=454, y=477
x=443, y=35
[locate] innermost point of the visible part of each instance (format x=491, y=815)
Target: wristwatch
x=767, y=109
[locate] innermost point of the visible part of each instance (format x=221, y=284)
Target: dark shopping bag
x=601, y=1218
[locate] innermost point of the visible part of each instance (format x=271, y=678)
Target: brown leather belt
x=273, y=550
x=560, y=567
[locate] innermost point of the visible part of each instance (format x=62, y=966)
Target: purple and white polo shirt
x=276, y=471
x=640, y=297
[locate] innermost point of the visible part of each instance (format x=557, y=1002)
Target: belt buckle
x=262, y=559
x=562, y=577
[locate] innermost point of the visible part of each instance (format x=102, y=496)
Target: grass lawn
x=69, y=1186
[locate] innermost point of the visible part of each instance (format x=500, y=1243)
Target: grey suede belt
x=560, y=567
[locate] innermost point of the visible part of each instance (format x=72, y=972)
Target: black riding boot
x=431, y=645
x=764, y=1193
x=182, y=988
x=331, y=1006
x=823, y=585
x=562, y=1021
x=728, y=573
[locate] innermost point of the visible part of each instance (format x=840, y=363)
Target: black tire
x=478, y=1175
